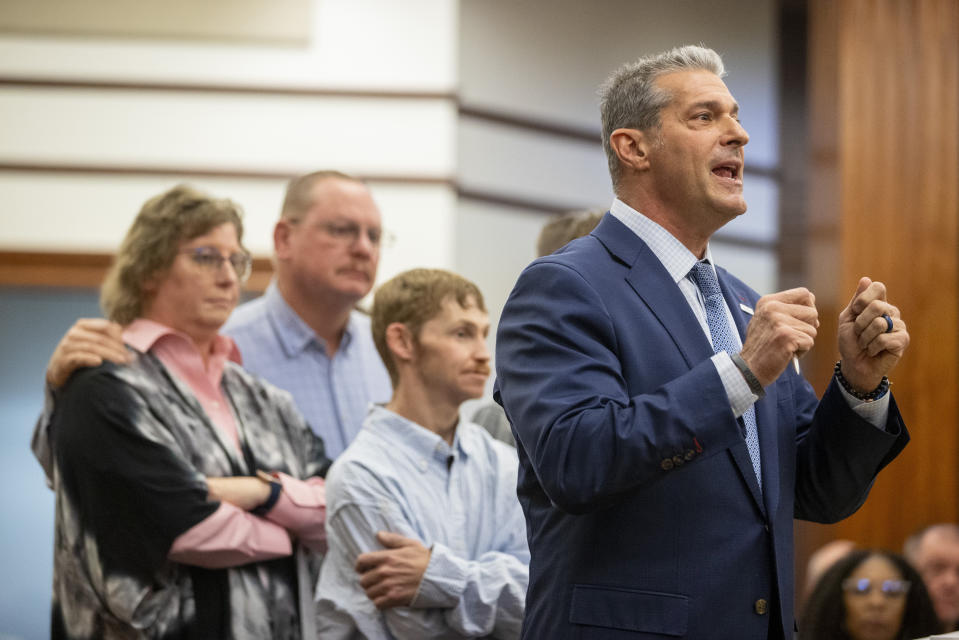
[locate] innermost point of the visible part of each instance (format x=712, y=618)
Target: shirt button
x=761, y=606
x=666, y=464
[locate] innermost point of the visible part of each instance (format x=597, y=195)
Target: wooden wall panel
x=87, y=270
x=884, y=202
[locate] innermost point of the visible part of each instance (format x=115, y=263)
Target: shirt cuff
x=875, y=413
x=301, y=509
x=443, y=582
x=737, y=389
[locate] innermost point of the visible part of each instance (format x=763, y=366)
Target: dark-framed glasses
x=212, y=260
x=888, y=588
x=349, y=232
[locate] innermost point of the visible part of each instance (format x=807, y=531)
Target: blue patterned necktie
x=720, y=332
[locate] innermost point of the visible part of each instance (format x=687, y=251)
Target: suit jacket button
x=678, y=460
x=690, y=454
x=666, y=464
x=761, y=606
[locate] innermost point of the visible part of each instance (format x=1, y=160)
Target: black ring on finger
x=888, y=323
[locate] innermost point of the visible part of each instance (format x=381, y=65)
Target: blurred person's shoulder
x=247, y=316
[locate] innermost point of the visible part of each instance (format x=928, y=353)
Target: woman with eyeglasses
x=869, y=595
x=189, y=497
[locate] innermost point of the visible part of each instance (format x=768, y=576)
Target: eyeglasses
x=888, y=588
x=348, y=233
x=212, y=260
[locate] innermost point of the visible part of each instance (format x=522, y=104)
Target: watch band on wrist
x=754, y=385
x=275, y=488
x=871, y=396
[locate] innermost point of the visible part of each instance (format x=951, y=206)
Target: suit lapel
x=654, y=285
x=738, y=303
x=649, y=279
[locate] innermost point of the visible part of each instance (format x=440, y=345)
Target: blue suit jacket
x=643, y=513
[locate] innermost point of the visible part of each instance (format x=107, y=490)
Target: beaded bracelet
x=873, y=395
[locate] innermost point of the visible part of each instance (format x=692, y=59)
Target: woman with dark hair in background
x=869, y=595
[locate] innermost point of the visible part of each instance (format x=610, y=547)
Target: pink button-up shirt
x=231, y=536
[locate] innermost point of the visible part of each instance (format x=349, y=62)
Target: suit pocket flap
x=629, y=609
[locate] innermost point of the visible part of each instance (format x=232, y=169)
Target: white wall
x=546, y=58
x=353, y=44
x=283, y=117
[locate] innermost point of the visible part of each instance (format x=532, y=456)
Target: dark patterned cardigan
x=132, y=446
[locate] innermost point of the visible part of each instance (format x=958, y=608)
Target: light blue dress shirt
x=333, y=394
x=458, y=500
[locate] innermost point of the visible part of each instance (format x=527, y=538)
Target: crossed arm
x=433, y=592
x=391, y=577
x=229, y=536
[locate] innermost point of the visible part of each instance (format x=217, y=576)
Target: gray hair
x=630, y=99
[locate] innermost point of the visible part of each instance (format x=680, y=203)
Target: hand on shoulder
x=88, y=343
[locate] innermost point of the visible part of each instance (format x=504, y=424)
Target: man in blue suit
x=666, y=441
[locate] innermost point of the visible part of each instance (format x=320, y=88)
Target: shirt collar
x=674, y=255
x=417, y=439
x=143, y=334
x=295, y=335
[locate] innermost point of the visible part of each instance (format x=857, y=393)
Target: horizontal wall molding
x=190, y=87
x=499, y=199
x=556, y=129
x=86, y=270
x=208, y=172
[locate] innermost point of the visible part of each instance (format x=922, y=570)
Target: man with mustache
x=666, y=441
x=419, y=470
x=304, y=334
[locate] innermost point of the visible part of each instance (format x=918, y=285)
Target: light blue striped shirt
x=459, y=500
x=332, y=394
